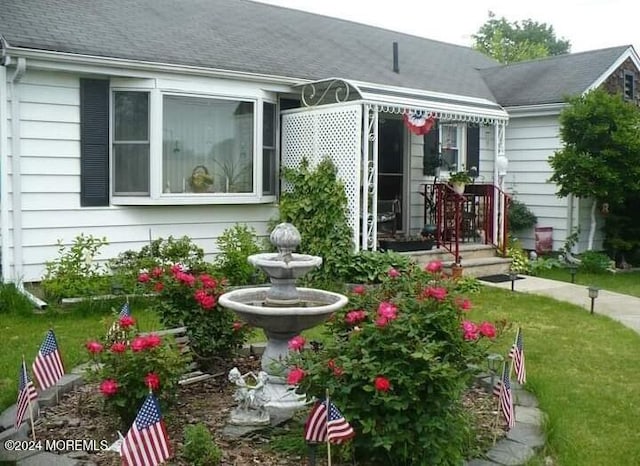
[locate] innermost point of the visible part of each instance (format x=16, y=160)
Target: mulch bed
x=80, y=416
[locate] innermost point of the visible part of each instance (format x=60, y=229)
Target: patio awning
x=400, y=100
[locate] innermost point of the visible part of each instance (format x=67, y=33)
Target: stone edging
x=518, y=447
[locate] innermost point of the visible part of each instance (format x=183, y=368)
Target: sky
x=587, y=24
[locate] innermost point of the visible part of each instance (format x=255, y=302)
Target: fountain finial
x=286, y=238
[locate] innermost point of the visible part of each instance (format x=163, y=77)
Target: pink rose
x=464, y=304
x=157, y=272
x=436, y=292
x=144, y=277
x=434, y=266
x=470, y=330
x=393, y=273
x=237, y=326
x=353, y=317
x=359, y=289
x=109, y=387
x=152, y=381
x=126, y=322
x=382, y=384
x=138, y=344
x=296, y=343
x=153, y=340
x=487, y=329
x=208, y=281
x=93, y=347
x=295, y=376
x=118, y=347
x=387, y=310
x=382, y=321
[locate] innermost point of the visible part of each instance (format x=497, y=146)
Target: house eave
x=629, y=53
x=519, y=111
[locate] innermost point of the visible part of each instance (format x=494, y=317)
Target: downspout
x=16, y=176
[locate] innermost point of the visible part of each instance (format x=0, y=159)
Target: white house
x=107, y=109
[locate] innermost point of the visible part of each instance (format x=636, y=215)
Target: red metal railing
x=479, y=216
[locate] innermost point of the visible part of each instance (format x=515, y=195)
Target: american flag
x=503, y=391
x=114, y=332
x=26, y=394
x=47, y=367
x=318, y=428
x=146, y=443
x=517, y=354
x=125, y=310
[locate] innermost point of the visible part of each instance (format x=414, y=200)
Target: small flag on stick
x=502, y=390
x=327, y=424
x=517, y=354
x=115, y=332
x=147, y=442
x=26, y=394
x=47, y=367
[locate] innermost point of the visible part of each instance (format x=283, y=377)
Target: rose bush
x=396, y=363
x=127, y=369
x=190, y=298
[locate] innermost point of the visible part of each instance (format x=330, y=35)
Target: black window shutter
x=94, y=142
x=473, y=148
x=431, y=152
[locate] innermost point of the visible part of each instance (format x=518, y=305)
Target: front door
x=391, y=161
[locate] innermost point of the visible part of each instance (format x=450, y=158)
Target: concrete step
x=481, y=267
x=467, y=252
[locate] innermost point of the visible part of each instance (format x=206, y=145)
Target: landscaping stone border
x=518, y=447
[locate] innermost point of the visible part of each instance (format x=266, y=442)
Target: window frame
x=628, y=74
x=156, y=195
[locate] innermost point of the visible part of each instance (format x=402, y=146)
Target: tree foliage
x=510, y=42
x=601, y=154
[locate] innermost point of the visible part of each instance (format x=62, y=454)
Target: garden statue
x=250, y=395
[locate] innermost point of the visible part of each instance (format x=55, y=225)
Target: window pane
x=131, y=111
x=268, y=151
x=207, y=145
x=131, y=166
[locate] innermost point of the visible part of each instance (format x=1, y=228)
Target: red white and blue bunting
x=418, y=122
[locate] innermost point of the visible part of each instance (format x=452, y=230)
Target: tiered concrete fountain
x=282, y=310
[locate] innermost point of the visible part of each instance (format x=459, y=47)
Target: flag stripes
x=47, y=367
x=147, y=442
x=327, y=424
x=505, y=397
x=517, y=354
x=26, y=394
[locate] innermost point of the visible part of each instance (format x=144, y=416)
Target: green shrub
x=369, y=266
x=160, y=252
x=396, y=364
x=190, y=299
x=12, y=301
x=199, y=447
x=129, y=365
x=75, y=272
x=520, y=217
x=316, y=204
x=519, y=260
x=236, y=244
x=594, y=262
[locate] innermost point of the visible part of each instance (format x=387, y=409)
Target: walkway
x=623, y=308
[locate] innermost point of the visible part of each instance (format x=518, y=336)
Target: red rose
x=434, y=266
x=359, y=289
x=126, y=322
x=464, y=304
x=296, y=343
x=109, y=387
x=295, y=376
x=158, y=287
x=118, y=347
x=138, y=344
x=237, y=326
x=487, y=329
x=153, y=340
x=152, y=381
x=393, y=273
x=382, y=384
x=208, y=302
x=93, y=347
x=144, y=277
x=157, y=272
x=207, y=281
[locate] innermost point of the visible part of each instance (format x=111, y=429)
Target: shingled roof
x=549, y=80
x=242, y=35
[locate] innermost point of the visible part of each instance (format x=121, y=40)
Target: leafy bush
x=316, y=204
x=543, y=263
x=199, y=447
x=75, y=272
x=236, y=244
x=519, y=260
x=190, y=299
x=520, y=217
x=12, y=301
x=396, y=364
x=594, y=262
x=160, y=252
x=129, y=365
x=369, y=266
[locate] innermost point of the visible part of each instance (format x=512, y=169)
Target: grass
x=23, y=333
x=621, y=282
x=582, y=369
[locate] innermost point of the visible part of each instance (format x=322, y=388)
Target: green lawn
x=621, y=282
x=583, y=369
x=23, y=335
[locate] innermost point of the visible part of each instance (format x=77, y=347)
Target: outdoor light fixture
x=573, y=269
x=593, y=294
x=493, y=362
x=512, y=276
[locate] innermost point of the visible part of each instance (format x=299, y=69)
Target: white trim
x=535, y=110
x=629, y=53
x=4, y=177
x=194, y=199
x=49, y=60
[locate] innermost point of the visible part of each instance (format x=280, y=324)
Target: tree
x=518, y=41
x=600, y=158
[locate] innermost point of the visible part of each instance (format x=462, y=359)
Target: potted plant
x=458, y=180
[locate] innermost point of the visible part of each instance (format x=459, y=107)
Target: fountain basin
x=275, y=266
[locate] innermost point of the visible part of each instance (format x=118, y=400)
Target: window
x=207, y=145
x=131, y=143
x=629, y=88
x=449, y=147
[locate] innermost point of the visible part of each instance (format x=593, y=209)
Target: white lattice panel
x=334, y=132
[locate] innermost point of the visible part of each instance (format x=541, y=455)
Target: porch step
x=477, y=260
x=481, y=267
